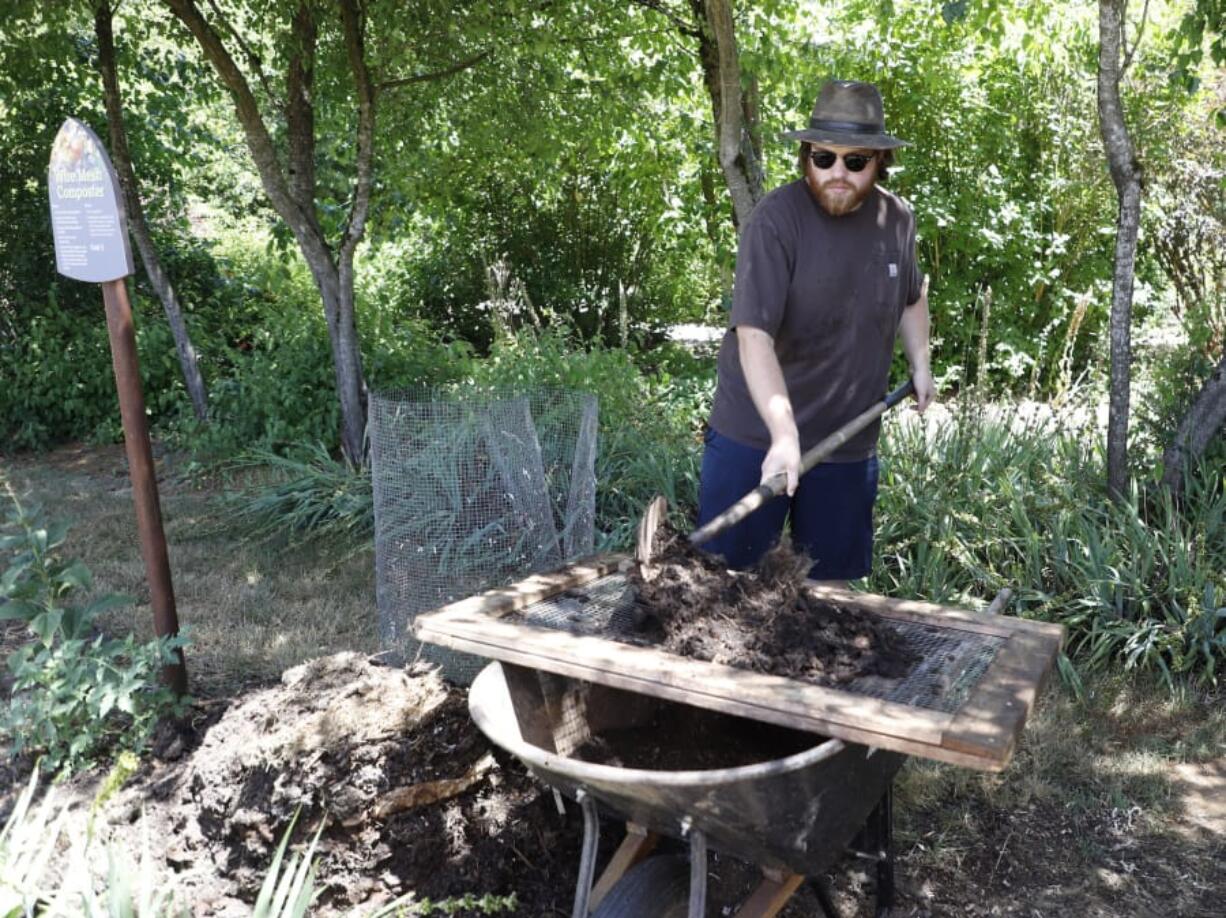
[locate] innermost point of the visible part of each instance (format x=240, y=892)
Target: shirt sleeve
x=915, y=283
x=763, y=275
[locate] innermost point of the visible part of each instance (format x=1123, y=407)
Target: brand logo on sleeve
x=893, y=270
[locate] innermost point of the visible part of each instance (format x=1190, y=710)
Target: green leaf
x=46, y=624
x=107, y=602
x=19, y=610
x=77, y=575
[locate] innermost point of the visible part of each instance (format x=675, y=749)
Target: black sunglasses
x=855, y=162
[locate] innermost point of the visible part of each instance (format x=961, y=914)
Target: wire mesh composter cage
x=475, y=490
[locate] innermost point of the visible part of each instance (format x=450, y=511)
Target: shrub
x=75, y=692
x=305, y=494
x=648, y=445
x=979, y=502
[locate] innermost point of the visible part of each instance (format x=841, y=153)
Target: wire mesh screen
x=951, y=661
x=475, y=490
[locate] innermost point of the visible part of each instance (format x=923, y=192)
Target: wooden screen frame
x=981, y=734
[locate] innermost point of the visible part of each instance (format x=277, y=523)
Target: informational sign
x=91, y=244
x=87, y=215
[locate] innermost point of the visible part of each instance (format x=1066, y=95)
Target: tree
x=1207, y=414
x=1199, y=426
x=1113, y=61
x=736, y=113
x=139, y=227
x=290, y=181
x=738, y=139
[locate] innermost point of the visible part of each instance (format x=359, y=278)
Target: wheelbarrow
x=570, y=671
x=793, y=816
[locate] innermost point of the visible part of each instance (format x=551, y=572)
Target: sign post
x=91, y=244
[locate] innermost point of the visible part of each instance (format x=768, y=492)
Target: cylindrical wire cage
x=473, y=490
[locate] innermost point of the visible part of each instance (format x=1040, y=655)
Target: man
x=826, y=278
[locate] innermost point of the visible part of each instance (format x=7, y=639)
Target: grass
x=982, y=500
x=1094, y=788
x=251, y=608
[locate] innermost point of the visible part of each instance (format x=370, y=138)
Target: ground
x=1115, y=804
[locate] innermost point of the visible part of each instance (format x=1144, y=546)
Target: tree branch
x=436, y=74
x=253, y=60
x=684, y=26
x=259, y=141
x=355, y=48
x=1140, y=31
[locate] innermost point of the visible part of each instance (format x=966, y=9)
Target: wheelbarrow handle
x=775, y=485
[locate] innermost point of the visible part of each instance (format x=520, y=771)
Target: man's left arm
x=913, y=330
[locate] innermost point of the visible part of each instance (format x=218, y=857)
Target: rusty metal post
x=140, y=468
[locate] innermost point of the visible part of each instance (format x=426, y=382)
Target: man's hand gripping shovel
x=770, y=488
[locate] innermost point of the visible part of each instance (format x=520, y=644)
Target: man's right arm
x=764, y=378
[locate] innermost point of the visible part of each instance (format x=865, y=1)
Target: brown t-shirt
x=830, y=291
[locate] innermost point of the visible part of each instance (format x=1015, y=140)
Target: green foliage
x=27, y=843
x=1203, y=24
x=305, y=494
x=648, y=433
x=76, y=693
x=649, y=425
x=288, y=893
x=975, y=503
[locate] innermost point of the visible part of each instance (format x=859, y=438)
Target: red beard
x=838, y=199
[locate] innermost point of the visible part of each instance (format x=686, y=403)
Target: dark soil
x=337, y=740
x=680, y=738
x=762, y=620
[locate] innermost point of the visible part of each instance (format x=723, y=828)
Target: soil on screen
x=762, y=620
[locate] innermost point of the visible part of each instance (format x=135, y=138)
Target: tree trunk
x=293, y=196
x=1199, y=426
x=736, y=127
x=1126, y=174
x=136, y=214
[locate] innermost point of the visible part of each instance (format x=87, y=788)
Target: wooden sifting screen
x=965, y=701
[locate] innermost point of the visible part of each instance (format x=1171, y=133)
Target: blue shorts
x=831, y=513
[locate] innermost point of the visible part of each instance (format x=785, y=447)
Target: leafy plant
x=27, y=844
x=307, y=493
x=985, y=500
x=75, y=691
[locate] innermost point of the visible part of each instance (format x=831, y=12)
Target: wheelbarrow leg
x=587, y=860
x=879, y=834
x=877, y=843
x=637, y=844
x=698, y=874
x=771, y=895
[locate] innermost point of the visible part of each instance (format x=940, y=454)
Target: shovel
x=775, y=485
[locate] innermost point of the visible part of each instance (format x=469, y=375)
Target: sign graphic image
x=87, y=217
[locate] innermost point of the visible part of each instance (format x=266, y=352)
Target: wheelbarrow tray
x=796, y=813
x=993, y=666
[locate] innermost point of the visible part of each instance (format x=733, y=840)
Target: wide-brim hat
x=848, y=114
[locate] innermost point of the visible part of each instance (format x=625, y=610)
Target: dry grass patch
x=252, y=610
x=1091, y=818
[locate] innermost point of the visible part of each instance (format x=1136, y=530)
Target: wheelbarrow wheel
x=657, y=888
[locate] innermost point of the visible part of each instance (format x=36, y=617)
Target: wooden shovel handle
x=775, y=485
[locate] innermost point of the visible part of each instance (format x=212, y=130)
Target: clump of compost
x=763, y=620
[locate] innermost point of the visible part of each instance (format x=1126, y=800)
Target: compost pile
x=408, y=794
x=690, y=604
